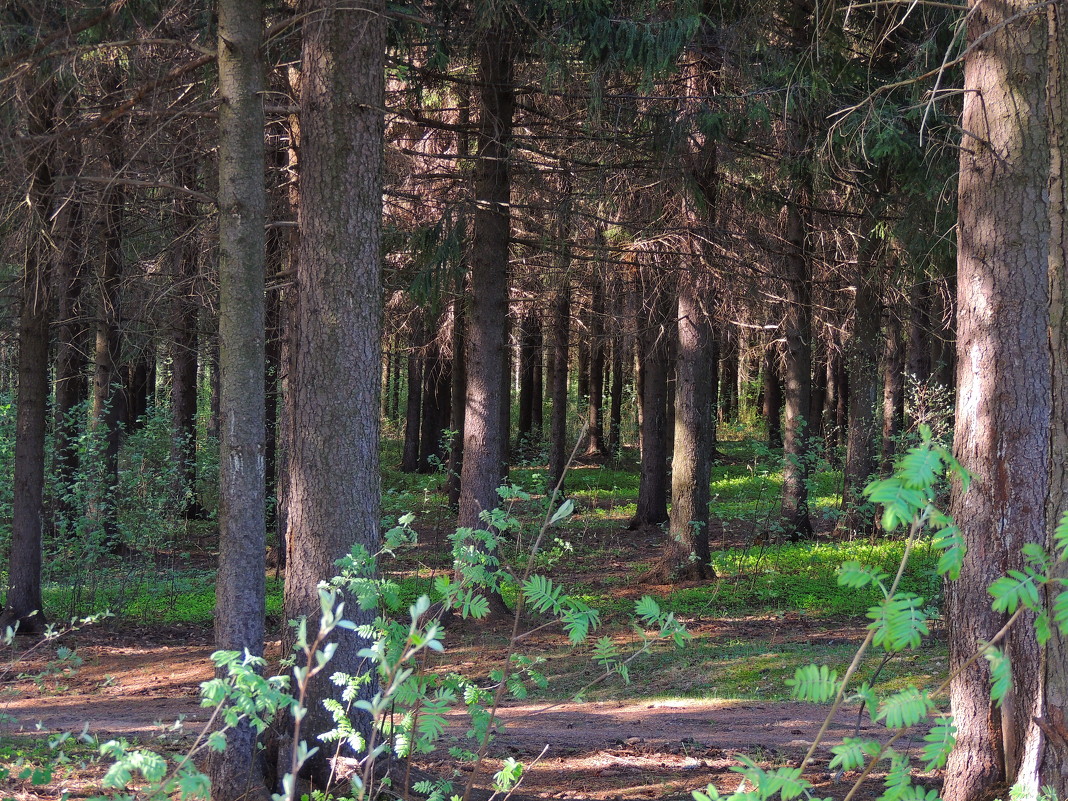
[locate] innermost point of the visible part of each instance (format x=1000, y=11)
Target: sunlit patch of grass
x=804, y=577
x=708, y=668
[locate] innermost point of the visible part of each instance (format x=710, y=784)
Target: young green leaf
x=1000, y=674
x=1018, y=587
x=905, y=708
x=899, y=622
x=939, y=741
x=815, y=684
x=858, y=576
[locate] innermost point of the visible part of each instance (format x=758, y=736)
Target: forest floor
x=136, y=683
x=682, y=722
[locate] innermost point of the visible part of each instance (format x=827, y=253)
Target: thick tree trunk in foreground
x=487, y=323
x=1055, y=711
x=334, y=469
x=1004, y=391
x=237, y=773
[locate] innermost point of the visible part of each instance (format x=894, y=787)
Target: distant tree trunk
x=862, y=364
x=537, y=400
x=832, y=433
x=1003, y=387
x=24, y=606
x=893, y=391
x=138, y=379
x=435, y=375
x=653, y=369
x=237, y=772
x=109, y=408
x=211, y=365
x=413, y=409
x=772, y=396
x=528, y=354
x=596, y=445
x=818, y=399
x=334, y=467
x=70, y=364
x=615, y=409
x=183, y=351
x=459, y=393
x=797, y=330
x=487, y=323
x=558, y=400
x=728, y=377
x=919, y=349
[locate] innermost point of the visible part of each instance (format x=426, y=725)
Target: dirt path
x=137, y=684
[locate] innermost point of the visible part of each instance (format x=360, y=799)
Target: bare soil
x=136, y=683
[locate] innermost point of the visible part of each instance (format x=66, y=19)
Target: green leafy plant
x=898, y=623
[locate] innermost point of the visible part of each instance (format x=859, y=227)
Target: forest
x=533, y=399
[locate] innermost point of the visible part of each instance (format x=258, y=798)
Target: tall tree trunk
x=488, y=312
x=109, y=407
x=1003, y=386
x=183, y=350
x=686, y=553
x=71, y=386
x=334, y=470
x=1054, y=715
x=862, y=364
x=23, y=606
x=237, y=772
x=797, y=330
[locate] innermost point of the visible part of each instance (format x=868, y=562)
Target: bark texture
x=686, y=553
x=1055, y=691
x=487, y=323
x=1003, y=400
x=237, y=773
x=334, y=466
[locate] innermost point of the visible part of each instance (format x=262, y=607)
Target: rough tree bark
x=1003, y=381
x=334, y=465
x=1054, y=716
x=487, y=322
x=237, y=773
